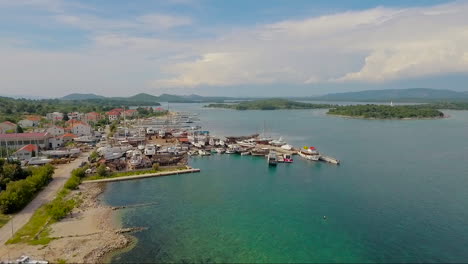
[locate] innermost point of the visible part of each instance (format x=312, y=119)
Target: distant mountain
x=79, y=96
x=142, y=97
x=402, y=95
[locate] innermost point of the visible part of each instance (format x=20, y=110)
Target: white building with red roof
x=18, y=140
x=27, y=152
x=113, y=115
x=30, y=121
x=7, y=126
x=55, y=130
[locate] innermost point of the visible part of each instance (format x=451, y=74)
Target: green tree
x=19, y=129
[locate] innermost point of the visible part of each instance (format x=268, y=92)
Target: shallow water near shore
x=400, y=195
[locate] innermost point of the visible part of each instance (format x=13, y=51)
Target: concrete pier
x=158, y=174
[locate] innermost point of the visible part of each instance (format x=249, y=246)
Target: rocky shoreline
x=88, y=235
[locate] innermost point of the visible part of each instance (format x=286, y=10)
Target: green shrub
x=156, y=166
x=59, y=208
x=101, y=170
x=19, y=193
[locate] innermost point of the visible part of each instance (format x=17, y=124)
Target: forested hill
x=269, y=104
x=396, y=95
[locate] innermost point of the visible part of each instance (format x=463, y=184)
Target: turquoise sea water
x=400, y=195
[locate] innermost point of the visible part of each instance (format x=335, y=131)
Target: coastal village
x=119, y=145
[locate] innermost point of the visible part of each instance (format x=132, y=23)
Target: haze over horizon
x=51, y=48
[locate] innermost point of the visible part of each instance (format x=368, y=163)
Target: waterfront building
x=18, y=140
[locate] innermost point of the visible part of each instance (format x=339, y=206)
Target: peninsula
x=372, y=111
x=269, y=104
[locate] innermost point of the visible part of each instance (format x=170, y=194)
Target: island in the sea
x=269, y=104
x=373, y=111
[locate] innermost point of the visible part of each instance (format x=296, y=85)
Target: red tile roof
x=113, y=113
x=24, y=135
x=69, y=135
x=33, y=118
x=8, y=123
x=29, y=148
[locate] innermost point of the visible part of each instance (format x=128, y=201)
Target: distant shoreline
x=373, y=118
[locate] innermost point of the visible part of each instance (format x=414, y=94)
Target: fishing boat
x=309, y=153
x=193, y=153
x=85, y=139
x=245, y=153
x=272, y=159
x=287, y=158
x=141, y=147
x=150, y=150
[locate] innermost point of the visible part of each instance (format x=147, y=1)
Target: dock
x=330, y=159
x=142, y=176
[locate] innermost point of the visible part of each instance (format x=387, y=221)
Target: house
x=30, y=121
x=93, y=117
x=159, y=109
x=131, y=113
x=56, y=142
x=18, y=140
x=7, y=126
x=68, y=138
x=27, y=152
x=55, y=131
x=80, y=129
x=113, y=115
x=75, y=116
x=55, y=116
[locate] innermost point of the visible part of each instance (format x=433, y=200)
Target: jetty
x=329, y=159
x=142, y=176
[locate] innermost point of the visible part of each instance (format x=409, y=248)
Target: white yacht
x=277, y=142
x=309, y=153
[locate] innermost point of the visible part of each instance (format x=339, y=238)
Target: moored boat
x=309, y=153
x=287, y=158
x=272, y=159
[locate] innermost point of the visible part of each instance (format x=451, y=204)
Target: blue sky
x=238, y=48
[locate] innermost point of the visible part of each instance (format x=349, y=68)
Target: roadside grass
x=4, y=219
x=37, y=231
x=30, y=231
x=133, y=173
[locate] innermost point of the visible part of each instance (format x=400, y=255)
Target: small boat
x=27, y=260
x=141, y=147
x=220, y=150
x=85, y=139
x=287, y=158
x=150, y=150
x=309, y=153
x=193, y=153
x=202, y=152
x=272, y=159
x=230, y=151
x=245, y=153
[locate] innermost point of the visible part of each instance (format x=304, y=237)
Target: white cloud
x=372, y=46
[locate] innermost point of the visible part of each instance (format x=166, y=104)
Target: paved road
x=61, y=175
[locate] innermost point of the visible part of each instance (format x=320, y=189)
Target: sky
x=51, y=48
